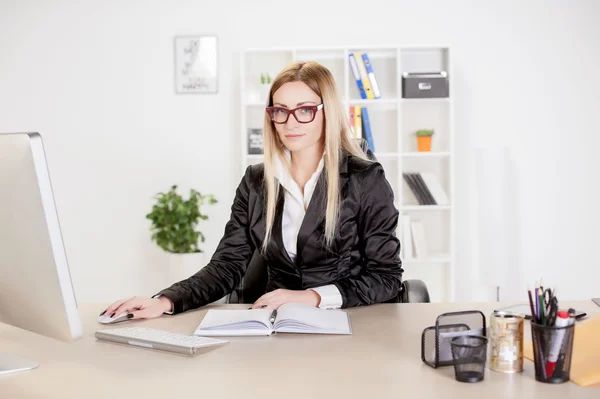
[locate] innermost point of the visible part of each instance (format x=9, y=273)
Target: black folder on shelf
x=419, y=188
x=413, y=187
x=426, y=192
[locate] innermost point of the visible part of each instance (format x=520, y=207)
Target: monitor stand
x=11, y=364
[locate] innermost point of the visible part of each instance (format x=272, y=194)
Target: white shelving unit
x=393, y=121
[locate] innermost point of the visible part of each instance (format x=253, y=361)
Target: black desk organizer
x=435, y=349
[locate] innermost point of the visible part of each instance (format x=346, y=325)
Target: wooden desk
x=380, y=360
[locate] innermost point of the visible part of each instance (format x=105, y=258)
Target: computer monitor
x=36, y=292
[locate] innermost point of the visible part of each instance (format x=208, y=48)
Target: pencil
x=537, y=303
x=533, y=316
x=542, y=310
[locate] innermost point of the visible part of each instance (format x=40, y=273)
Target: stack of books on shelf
x=363, y=73
x=426, y=188
x=359, y=122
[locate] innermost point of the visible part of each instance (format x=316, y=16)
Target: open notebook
x=290, y=318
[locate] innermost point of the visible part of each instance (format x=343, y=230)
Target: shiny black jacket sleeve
x=228, y=264
x=381, y=274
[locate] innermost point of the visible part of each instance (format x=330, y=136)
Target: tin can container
x=506, y=342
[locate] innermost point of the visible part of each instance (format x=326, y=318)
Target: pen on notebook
x=273, y=316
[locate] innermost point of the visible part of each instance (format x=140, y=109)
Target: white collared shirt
x=294, y=210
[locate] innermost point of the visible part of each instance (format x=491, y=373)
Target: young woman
x=319, y=211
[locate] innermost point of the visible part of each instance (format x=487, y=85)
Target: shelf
x=431, y=259
x=425, y=101
x=261, y=51
x=394, y=121
x=425, y=207
x=376, y=53
x=374, y=101
x=320, y=55
x=385, y=155
x=433, y=154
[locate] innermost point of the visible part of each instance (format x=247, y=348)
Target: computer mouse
x=106, y=319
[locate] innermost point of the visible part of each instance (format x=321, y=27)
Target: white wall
x=96, y=80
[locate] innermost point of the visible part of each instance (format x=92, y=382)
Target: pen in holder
x=552, y=349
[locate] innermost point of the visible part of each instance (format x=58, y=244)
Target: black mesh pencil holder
x=469, y=353
x=552, y=350
x=435, y=340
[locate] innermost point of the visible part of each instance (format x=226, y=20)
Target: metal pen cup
x=552, y=351
x=469, y=354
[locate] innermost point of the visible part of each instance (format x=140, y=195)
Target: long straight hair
x=338, y=137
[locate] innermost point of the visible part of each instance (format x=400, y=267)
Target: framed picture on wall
x=196, y=64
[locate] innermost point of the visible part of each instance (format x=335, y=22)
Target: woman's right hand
x=140, y=307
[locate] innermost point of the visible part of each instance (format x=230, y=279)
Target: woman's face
x=298, y=136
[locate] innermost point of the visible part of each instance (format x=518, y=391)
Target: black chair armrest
x=414, y=291
x=233, y=297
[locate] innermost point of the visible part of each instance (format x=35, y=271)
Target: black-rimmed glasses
x=303, y=114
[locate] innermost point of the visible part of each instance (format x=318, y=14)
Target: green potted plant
x=265, y=86
x=424, y=137
x=175, y=227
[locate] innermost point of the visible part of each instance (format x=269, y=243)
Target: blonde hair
x=338, y=136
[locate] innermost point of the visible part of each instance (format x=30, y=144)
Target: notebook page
x=294, y=317
x=225, y=319
x=232, y=333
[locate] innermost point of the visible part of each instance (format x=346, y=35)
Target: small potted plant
x=424, y=139
x=174, y=227
x=265, y=86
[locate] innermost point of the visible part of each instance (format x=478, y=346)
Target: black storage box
x=425, y=85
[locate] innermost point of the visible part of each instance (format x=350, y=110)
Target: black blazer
x=363, y=263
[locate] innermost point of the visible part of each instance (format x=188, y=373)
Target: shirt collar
x=282, y=173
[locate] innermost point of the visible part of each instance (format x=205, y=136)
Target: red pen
x=562, y=320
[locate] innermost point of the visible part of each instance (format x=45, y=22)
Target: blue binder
x=371, y=74
x=354, y=68
x=367, y=133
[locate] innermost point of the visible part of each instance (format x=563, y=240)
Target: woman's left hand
x=274, y=299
